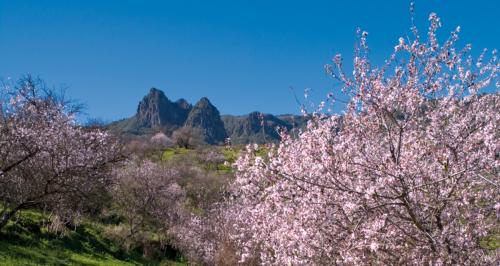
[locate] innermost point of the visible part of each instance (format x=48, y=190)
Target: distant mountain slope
x=155, y=112
x=259, y=128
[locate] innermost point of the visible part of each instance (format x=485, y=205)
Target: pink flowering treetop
x=407, y=175
x=147, y=195
x=46, y=160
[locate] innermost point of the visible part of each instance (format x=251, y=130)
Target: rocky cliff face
x=156, y=111
x=259, y=128
x=205, y=116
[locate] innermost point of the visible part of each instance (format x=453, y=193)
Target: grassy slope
x=28, y=242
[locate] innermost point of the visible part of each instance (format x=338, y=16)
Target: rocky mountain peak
x=205, y=115
x=156, y=110
x=184, y=104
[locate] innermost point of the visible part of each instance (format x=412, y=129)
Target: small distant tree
x=160, y=140
x=139, y=146
x=188, y=137
x=408, y=175
x=212, y=158
x=46, y=159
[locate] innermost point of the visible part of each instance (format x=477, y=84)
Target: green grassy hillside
x=29, y=242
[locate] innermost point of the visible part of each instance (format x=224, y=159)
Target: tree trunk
x=7, y=215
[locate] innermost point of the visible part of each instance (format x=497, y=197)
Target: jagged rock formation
x=156, y=112
x=206, y=117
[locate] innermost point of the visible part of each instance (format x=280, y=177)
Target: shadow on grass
x=27, y=242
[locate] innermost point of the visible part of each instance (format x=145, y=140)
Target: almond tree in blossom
x=409, y=174
x=148, y=196
x=46, y=160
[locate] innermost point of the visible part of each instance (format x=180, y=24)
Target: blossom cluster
x=409, y=174
x=46, y=159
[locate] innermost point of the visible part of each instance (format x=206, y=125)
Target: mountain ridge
x=156, y=112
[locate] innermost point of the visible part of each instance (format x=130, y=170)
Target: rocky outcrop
x=156, y=111
x=204, y=115
x=260, y=128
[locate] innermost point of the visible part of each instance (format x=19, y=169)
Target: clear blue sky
x=243, y=55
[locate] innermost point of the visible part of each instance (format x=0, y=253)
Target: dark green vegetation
x=491, y=242
x=156, y=112
x=29, y=241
